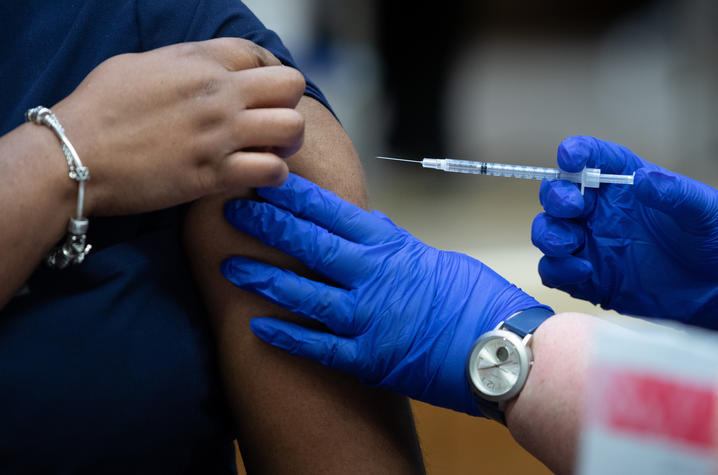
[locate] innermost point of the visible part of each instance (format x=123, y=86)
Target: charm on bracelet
x=74, y=249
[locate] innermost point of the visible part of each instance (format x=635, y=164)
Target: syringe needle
x=399, y=159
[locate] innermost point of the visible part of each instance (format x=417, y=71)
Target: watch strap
x=521, y=323
x=527, y=321
x=490, y=410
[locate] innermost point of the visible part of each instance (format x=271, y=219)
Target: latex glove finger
x=690, y=203
x=556, y=237
x=577, y=152
x=332, y=306
x=563, y=199
x=557, y=272
x=322, y=251
x=311, y=202
x=330, y=350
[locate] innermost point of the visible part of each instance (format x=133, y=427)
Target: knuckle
x=261, y=55
x=248, y=54
x=227, y=42
x=185, y=50
x=238, y=46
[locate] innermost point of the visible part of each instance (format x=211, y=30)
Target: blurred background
x=503, y=81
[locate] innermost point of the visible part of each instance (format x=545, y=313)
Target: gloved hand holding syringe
x=588, y=177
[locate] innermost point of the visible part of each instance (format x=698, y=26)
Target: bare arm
x=292, y=415
x=546, y=416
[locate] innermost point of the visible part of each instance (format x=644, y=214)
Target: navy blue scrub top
x=108, y=367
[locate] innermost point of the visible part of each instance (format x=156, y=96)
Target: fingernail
x=574, y=150
x=260, y=329
x=235, y=269
x=269, y=330
x=233, y=206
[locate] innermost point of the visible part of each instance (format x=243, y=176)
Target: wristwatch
x=499, y=361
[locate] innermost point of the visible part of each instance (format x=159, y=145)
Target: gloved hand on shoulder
x=399, y=314
x=650, y=249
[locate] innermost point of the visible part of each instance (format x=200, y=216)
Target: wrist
x=36, y=152
x=74, y=248
x=78, y=132
x=499, y=362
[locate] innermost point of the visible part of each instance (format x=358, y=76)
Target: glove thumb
x=690, y=203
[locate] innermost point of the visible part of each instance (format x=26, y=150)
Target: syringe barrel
x=521, y=171
x=494, y=169
x=587, y=178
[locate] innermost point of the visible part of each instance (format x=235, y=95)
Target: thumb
x=690, y=203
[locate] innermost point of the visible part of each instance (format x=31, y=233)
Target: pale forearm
x=547, y=415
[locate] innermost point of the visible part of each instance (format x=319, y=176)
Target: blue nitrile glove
x=650, y=249
x=401, y=315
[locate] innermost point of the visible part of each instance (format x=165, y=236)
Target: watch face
x=498, y=365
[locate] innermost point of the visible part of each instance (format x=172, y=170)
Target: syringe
x=588, y=177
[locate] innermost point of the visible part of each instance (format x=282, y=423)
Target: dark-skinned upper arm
x=292, y=415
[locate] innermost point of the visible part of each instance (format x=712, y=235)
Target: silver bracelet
x=74, y=248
